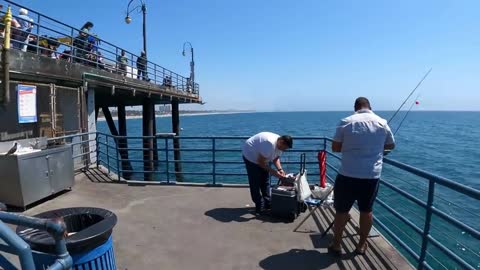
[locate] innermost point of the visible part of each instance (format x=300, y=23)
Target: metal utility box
x=29, y=177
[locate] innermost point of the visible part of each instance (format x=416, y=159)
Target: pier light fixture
x=191, y=82
x=140, y=8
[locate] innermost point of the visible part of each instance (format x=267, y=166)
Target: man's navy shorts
x=347, y=190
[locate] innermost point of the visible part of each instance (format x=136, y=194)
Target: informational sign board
x=27, y=103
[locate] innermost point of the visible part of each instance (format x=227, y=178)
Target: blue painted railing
x=13, y=244
x=413, y=211
x=423, y=257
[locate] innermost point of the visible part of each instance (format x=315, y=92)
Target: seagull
x=12, y=150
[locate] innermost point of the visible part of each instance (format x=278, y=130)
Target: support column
x=123, y=142
x=176, y=141
x=121, y=148
x=91, y=125
x=155, y=146
x=148, y=145
x=97, y=110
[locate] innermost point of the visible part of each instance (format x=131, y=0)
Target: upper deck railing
x=431, y=219
x=52, y=38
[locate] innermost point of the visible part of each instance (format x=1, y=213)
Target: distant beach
x=101, y=118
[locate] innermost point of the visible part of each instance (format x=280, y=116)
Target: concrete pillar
x=120, y=142
x=176, y=142
x=148, y=144
x=123, y=143
x=155, y=146
x=91, y=125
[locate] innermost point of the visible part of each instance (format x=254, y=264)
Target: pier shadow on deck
x=179, y=227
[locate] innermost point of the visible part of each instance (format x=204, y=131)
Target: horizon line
x=268, y=111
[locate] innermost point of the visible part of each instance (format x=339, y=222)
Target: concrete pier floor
x=184, y=227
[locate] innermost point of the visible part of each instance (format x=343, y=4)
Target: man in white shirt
x=21, y=35
x=362, y=139
x=257, y=152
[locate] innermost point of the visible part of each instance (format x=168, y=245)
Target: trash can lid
x=87, y=228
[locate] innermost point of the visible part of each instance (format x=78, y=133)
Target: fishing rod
x=411, y=93
x=386, y=152
x=415, y=102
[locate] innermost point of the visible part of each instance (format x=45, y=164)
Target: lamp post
x=148, y=113
x=192, y=64
x=128, y=20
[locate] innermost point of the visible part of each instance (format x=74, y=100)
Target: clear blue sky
x=278, y=55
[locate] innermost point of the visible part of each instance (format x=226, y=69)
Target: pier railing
x=51, y=38
x=431, y=219
x=13, y=244
x=417, y=217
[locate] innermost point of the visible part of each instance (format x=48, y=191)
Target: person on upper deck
x=142, y=66
x=14, y=24
x=257, y=152
x=86, y=28
x=21, y=34
x=122, y=62
x=167, y=81
x=81, y=43
x=362, y=139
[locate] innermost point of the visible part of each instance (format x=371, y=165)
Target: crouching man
x=257, y=152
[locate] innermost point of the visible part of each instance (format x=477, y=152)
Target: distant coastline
x=102, y=118
x=138, y=114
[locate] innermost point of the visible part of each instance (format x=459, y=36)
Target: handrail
x=220, y=151
x=425, y=232
x=160, y=75
x=56, y=229
x=471, y=192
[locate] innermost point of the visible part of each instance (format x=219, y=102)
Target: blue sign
x=27, y=103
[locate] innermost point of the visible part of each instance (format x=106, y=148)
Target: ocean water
x=443, y=143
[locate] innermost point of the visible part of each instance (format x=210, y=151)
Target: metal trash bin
x=89, y=238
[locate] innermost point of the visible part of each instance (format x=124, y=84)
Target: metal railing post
x=166, y=160
x=428, y=218
x=117, y=153
x=97, y=148
x=108, y=156
x=324, y=144
x=38, y=33
x=155, y=73
x=72, y=53
x=18, y=247
x=83, y=146
x=214, y=168
x=116, y=60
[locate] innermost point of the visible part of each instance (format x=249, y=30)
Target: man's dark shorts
x=347, y=190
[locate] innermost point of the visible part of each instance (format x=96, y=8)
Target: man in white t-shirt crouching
x=257, y=152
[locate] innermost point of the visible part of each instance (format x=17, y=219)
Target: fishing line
x=415, y=102
x=411, y=93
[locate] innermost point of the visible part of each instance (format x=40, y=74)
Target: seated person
x=167, y=81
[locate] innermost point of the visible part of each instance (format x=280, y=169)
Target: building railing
x=416, y=216
x=55, y=39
